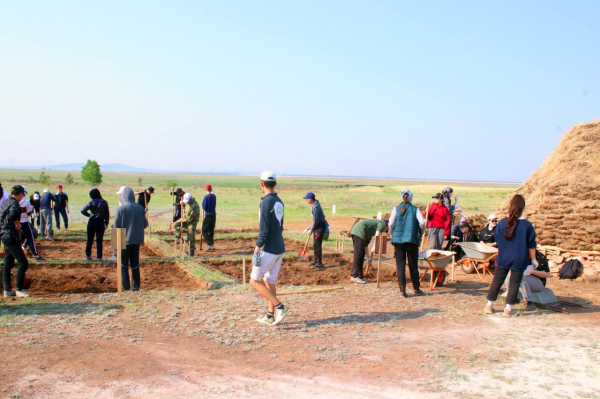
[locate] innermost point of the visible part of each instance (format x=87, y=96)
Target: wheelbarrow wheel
x=468, y=267
x=442, y=279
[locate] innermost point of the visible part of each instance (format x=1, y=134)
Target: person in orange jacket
x=439, y=222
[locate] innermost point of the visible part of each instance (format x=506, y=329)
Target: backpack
x=544, y=266
x=569, y=269
x=326, y=233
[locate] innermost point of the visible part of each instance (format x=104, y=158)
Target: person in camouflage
x=189, y=221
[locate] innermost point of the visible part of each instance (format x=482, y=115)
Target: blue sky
x=467, y=90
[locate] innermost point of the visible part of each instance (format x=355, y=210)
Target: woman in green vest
x=406, y=227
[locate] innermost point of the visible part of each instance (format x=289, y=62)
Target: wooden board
x=113, y=239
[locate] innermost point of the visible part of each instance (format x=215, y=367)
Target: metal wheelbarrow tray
x=436, y=264
x=478, y=251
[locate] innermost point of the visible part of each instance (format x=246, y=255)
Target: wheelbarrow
x=436, y=265
x=477, y=255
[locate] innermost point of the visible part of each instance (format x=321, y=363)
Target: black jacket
x=318, y=215
x=487, y=235
x=10, y=212
x=270, y=234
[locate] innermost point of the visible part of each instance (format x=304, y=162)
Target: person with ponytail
x=406, y=227
x=516, y=242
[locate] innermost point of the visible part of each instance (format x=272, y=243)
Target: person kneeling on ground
x=362, y=233
x=317, y=229
x=10, y=215
x=406, y=227
x=98, y=212
x=132, y=217
x=189, y=221
x=209, y=205
x=269, y=250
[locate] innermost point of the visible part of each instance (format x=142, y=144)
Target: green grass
x=239, y=196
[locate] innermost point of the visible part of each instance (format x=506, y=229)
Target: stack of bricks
x=557, y=257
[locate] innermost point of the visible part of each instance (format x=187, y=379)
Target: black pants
x=359, y=256
x=513, y=285
x=410, y=251
x=28, y=237
x=12, y=252
x=208, y=229
x=95, y=229
x=318, y=243
x=177, y=214
x=63, y=213
x=130, y=257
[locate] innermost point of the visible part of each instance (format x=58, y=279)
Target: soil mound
x=562, y=196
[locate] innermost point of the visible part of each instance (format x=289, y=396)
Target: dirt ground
x=241, y=246
x=75, y=249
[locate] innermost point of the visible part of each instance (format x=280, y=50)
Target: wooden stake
x=379, y=260
x=310, y=291
x=119, y=268
x=181, y=230
x=244, y=272
x=453, y=264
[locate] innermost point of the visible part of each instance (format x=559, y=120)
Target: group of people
x=186, y=215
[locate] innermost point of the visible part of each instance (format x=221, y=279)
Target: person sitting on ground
x=209, y=205
x=516, y=240
x=269, y=250
x=34, y=200
x=439, y=222
x=406, y=227
x=27, y=233
x=10, y=225
x=317, y=229
x=61, y=207
x=98, y=212
x=487, y=233
x=362, y=233
x=130, y=216
x=189, y=221
x=144, y=197
x=46, y=205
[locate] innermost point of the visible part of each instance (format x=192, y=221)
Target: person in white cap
x=269, y=250
x=189, y=221
x=487, y=233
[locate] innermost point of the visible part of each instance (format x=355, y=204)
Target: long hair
x=404, y=201
x=515, y=210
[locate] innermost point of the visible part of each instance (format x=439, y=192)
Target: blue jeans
x=62, y=212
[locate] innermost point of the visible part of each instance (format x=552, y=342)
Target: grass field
x=239, y=196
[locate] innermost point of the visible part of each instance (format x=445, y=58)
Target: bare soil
x=75, y=249
x=242, y=246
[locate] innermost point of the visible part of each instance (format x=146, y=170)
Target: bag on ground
x=569, y=269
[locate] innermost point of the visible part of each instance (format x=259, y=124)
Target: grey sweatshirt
x=131, y=216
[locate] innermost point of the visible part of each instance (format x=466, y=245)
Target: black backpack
x=544, y=266
x=569, y=269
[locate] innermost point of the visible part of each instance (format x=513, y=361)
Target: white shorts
x=269, y=267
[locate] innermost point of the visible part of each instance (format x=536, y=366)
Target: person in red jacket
x=439, y=222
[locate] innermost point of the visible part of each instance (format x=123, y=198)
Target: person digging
x=269, y=250
x=317, y=229
x=362, y=233
x=189, y=221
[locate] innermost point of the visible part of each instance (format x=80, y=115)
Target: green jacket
x=367, y=228
x=192, y=212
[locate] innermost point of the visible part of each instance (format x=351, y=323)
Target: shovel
x=303, y=255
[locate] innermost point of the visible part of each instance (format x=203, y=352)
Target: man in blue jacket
x=317, y=229
x=46, y=205
x=269, y=250
x=209, y=206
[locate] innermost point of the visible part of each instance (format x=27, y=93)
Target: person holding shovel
x=209, y=206
x=10, y=227
x=189, y=221
x=406, y=226
x=362, y=233
x=269, y=250
x=144, y=197
x=439, y=222
x=317, y=229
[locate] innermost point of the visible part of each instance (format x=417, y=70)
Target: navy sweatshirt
x=209, y=204
x=318, y=215
x=270, y=234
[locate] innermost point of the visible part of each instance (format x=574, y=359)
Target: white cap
x=267, y=175
x=25, y=189
x=46, y=190
x=120, y=190
x=492, y=217
x=36, y=196
x=187, y=197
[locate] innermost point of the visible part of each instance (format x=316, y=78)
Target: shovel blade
x=303, y=255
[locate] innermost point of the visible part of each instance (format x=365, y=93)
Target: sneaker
x=9, y=293
x=318, y=265
x=530, y=307
x=99, y=260
x=22, y=294
x=50, y=238
x=38, y=257
x=210, y=248
x=357, y=280
x=404, y=294
x=366, y=280
x=191, y=254
x=508, y=313
x=280, y=315
x=88, y=258
x=419, y=292
x=266, y=320
x=113, y=258
x=489, y=309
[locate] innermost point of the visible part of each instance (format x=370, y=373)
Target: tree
x=69, y=179
x=44, y=179
x=91, y=172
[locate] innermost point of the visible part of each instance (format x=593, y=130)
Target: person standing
x=46, y=204
x=269, y=250
x=406, y=227
x=189, y=221
x=98, y=212
x=3, y=195
x=177, y=204
x=317, y=229
x=10, y=216
x=439, y=222
x=447, y=194
x=144, y=197
x=34, y=200
x=61, y=207
x=362, y=233
x=209, y=205
x=27, y=236
x=130, y=216
x=516, y=240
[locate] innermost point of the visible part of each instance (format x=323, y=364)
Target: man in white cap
x=269, y=250
x=487, y=233
x=189, y=221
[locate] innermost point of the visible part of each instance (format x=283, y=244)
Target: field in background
x=239, y=196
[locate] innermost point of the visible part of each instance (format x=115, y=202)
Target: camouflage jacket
x=192, y=212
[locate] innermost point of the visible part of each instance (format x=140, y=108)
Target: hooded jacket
x=131, y=216
x=97, y=209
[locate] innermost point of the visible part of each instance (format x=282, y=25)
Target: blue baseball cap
x=309, y=196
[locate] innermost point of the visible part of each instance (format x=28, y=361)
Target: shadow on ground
x=53, y=308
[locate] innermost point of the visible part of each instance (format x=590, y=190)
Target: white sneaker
x=280, y=315
x=357, y=280
x=113, y=258
x=9, y=293
x=266, y=320
x=22, y=294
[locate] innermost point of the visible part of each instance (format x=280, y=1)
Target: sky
x=449, y=90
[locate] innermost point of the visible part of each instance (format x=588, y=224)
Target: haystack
x=563, y=200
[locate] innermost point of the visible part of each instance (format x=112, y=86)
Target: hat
x=187, y=197
x=410, y=194
x=309, y=196
x=16, y=190
x=465, y=224
x=208, y=187
x=59, y=186
x=36, y=196
x=120, y=190
x=179, y=191
x=268, y=176
x=492, y=217
x=151, y=189
x=438, y=196
x=447, y=190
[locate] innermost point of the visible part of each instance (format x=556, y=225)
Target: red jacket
x=439, y=218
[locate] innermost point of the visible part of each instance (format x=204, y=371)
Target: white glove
x=528, y=270
x=535, y=263
x=306, y=230
x=256, y=259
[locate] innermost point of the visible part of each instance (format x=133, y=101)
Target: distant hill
x=109, y=167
